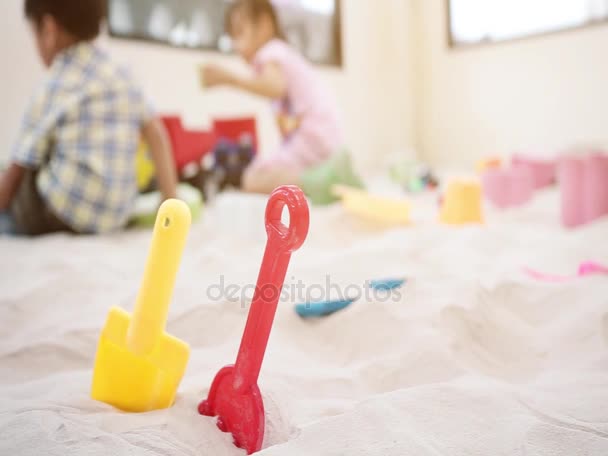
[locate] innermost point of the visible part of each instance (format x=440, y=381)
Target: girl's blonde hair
x=255, y=10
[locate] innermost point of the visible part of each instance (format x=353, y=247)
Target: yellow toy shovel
x=386, y=211
x=139, y=366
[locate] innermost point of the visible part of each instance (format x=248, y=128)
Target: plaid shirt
x=81, y=132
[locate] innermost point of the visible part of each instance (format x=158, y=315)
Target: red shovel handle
x=282, y=241
x=290, y=238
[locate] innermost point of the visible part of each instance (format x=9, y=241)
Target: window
x=312, y=26
x=477, y=21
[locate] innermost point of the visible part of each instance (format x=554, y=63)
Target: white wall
x=401, y=88
x=19, y=74
x=541, y=93
x=375, y=96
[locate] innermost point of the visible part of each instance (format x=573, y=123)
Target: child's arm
x=269, y=82
x=156, y=137
x=9, y=184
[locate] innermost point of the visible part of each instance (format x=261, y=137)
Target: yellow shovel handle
x=152, y=306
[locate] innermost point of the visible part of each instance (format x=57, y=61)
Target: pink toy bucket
x=543, y=171
x=596, y=186
x=509, y=187
x=584, y=189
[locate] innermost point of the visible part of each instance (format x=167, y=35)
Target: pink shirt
x=308, y=99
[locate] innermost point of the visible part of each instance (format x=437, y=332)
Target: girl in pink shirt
x=306, y=111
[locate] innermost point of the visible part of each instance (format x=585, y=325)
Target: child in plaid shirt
x=73, y=166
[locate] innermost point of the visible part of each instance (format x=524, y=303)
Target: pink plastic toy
x=234, y=396
x=584, y=189
x=508, y=187
x=544, y=172
x=587, y=268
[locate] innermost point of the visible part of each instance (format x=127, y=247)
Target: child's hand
x=10, y=181
x=213, y=76
x=287, y=124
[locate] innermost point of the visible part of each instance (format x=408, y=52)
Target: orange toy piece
x=462, y=203
x=488, y=163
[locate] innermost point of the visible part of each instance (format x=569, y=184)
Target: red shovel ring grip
x=293, y=236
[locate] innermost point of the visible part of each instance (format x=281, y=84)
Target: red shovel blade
x=240, y=413
x=234, y=396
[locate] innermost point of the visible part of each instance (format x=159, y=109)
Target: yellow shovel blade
x=134, y=383
x=390, y=211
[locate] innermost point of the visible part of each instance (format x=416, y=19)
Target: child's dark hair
x=80, y=18
x=255, y=9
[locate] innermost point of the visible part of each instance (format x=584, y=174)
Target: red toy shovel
x=234, y=396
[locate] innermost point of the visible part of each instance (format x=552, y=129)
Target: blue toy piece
x=322, y=309
x=325, y=308
x=387, y=285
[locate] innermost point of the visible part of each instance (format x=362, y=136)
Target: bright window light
x=325, y=7
x=473, y=21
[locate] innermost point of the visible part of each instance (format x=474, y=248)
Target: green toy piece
x=318, y=182
x=402, y=172
x=416, y=185
x=146, y=206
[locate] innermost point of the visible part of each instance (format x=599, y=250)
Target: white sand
x=473, y=359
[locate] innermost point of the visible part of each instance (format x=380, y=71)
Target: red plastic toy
x=234, y=396
x=234, y=129
x=189, y=146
